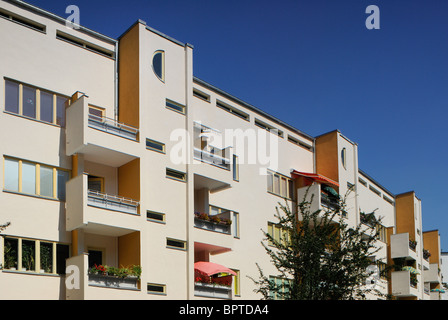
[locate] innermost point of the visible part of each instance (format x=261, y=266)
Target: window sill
x=34, y=273
x=33, y=119
x=32, y=195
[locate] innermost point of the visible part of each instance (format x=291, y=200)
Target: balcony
x=402, y=247
x=213, y=280
x=87, y=286
x=433, y=274
x=218, y=223
x=215, y=156
x=320, y=198
x=98, y=138
x=113, y=127
x=93, y=210
x=404, y=284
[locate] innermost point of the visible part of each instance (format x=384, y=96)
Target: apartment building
x=118, y=156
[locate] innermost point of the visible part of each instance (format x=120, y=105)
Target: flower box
x=99, y=280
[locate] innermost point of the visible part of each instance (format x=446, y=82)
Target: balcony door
x=95, y=257
x=95, y=183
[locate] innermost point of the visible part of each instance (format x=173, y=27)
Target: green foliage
x=322, y=257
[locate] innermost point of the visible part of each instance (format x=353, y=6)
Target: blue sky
x=315, y=65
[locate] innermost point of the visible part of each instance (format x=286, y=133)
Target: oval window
x=158, y=64
x=344, y=157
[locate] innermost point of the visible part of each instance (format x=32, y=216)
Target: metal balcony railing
x=112, y=126
x=112, y=202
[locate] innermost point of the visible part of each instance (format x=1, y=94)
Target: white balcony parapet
x=112, y=202
x=213, y=156
x=400, y=247
x=211, y=290
x=112, y=126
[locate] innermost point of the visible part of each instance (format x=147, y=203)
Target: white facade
x=143, y=151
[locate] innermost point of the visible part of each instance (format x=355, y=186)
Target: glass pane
x=61, y=104
x=46, y=257
x=46, y=107
x=97, y=113
x=12, y=96
x=157, y=65
x=284, y=188
x=276, y=184
x=12, y=175
x=11, y=253
x=28, y=255
x=46, y=181
x=63, y=177
x=291, y=189
x=28, y=178
x=29, y=102
x=270, y=182
x=62, y=253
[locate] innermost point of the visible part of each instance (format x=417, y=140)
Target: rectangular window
x=22, y=21
x=12, y=175
x=63, y=177
x=46, y=257
x=46, y=181
x=201, y=95
x=29, y=102
x=35, y=179
x=267, y=127
x=46, y=106
x=35, y=103
x=155, y=146
x=30, y=250
x=176, y=175
x=175, y=106
x=156, y=216
x=280, y=185
x=11, y=96
x=176, y=244
x=237, y=283
x=235, y=168
x=232, y=110
x=28, y=178
x=156, y=288
x=236, y=224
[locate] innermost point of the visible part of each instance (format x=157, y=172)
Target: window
x=236, y=224
x=175, y=106
x=158, y=64
x=176, y=244
x=280, y=185
x=377, y=192
x=235, y=168
x=155, y=288
x=176, y=175
x=344, y=157
x=232, y=110
x=96, y=113
x=35, y=103
x=155, y=216
x=282, y=285
x=362, y=182
x=36, y=255
x=269, y=128
x=155, y=146
x=201, y=95
x=23, y=21
x=237, y=283
x=35, y=179
x=299, y=143
x=83, y=44
x=277, y=233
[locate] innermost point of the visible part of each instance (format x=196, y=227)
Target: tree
x=318, y=256
x=4, y=226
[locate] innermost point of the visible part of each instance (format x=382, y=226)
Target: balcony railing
x=112, y=202
x=112, y=126
x=215, y=156
x=218, y=223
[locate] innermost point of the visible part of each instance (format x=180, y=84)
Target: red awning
x=317, y=177
x=210, y=268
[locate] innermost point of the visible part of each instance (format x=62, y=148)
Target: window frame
x=162, y=66
x=37, y=255
x=37, y=179
x=162, y=145
x=271, y=175
x=37, y=106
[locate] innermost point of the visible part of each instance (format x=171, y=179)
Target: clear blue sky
x=316, y=66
